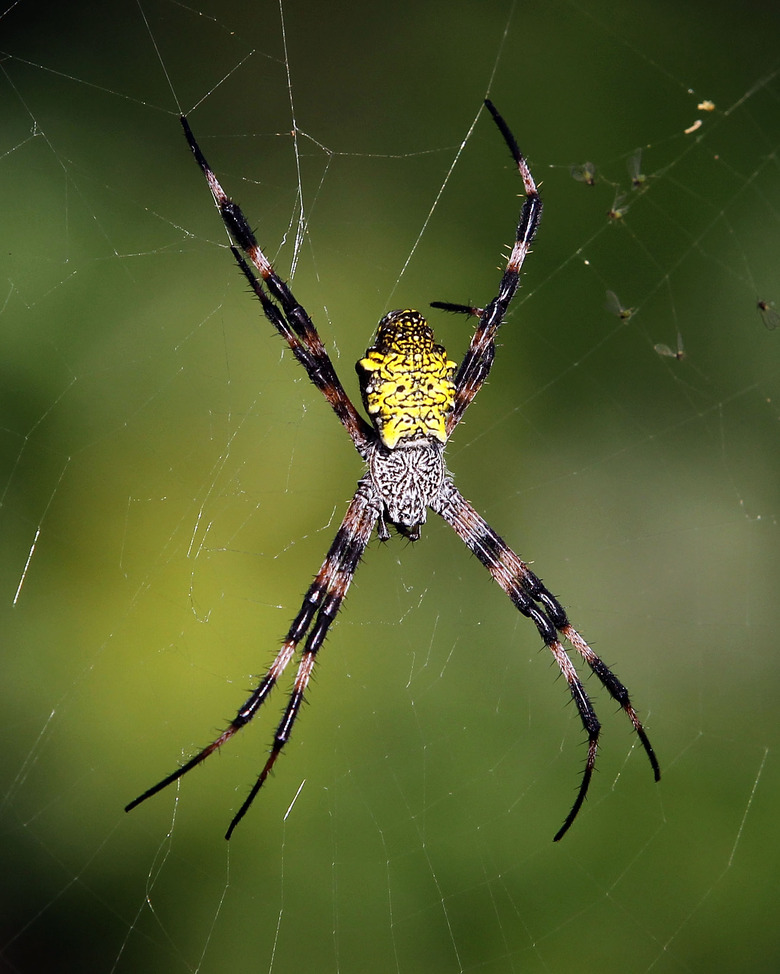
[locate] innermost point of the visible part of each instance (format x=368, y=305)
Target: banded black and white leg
x=288, y=316
x=538, y=604
x=478, y=360
x=320, y=607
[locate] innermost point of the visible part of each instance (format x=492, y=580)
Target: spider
x=415, y=396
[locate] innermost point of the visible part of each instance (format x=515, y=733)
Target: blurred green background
x=170, y=482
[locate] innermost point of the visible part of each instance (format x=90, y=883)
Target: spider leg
x=615, y=688
x=537, y=603
x=323, y=600
x=458, y=309
x=478, y=360
x=292, y=321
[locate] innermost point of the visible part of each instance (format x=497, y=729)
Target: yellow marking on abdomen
x=406, y=380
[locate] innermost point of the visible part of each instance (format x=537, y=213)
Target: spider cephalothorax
x=415, y=396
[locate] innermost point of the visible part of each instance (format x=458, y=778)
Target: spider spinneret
x=415, y=397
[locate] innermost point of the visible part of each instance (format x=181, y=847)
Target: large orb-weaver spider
x=415, y=397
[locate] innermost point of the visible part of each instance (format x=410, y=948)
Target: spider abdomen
x=407, y=381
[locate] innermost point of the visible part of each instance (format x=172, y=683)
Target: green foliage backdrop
x=170, y=482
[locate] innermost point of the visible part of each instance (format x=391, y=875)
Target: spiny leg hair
x=320, y=607
x=478, y=360
x=534, y=601
x=291, y=321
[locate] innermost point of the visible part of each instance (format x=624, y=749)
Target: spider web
x=171, y=481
